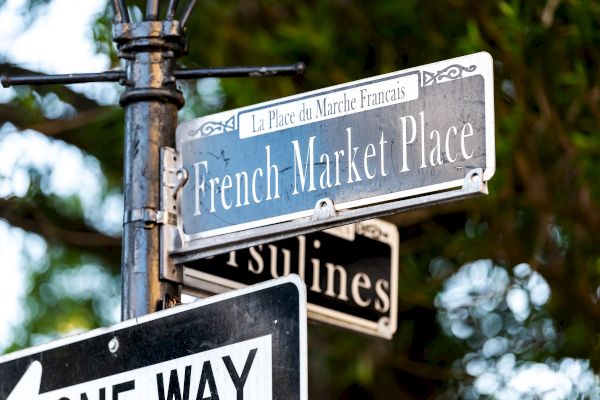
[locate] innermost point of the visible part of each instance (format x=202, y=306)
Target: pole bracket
x=172, y=179
x=324, y=209
x=149, y=216
x=474, y=181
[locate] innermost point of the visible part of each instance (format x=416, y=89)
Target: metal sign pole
x=151, y=101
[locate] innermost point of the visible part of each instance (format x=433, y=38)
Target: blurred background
x=498, y=295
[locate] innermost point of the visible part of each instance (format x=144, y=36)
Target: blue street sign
x=356, y=146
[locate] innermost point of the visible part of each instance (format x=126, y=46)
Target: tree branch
x=22, y=214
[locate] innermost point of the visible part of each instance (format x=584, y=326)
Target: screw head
x=113, y=345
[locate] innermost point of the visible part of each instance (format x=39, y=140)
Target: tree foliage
x=538, y=224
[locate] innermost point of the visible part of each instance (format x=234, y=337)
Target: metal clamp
x=474, y=181
x=173, y=177
x=149, y=216
x=181, y=175
x=324, y=209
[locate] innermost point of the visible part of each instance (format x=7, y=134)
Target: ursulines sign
x=350, y=272
x=353, y=146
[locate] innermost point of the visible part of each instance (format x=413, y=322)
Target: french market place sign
x=337, y=155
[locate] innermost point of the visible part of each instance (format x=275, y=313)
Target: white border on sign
x=481, y=63
x=198, y=283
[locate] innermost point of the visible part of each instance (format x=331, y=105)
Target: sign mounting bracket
x=172, y=179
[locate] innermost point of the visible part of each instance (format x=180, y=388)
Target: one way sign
x=246, y=344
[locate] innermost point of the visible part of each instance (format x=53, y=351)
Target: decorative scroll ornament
x=371, y=231
x=452, y=72
x=213, y=127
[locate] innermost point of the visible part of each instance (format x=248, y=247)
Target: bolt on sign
x=350, y=273
x=246, y=344
x=336, y=155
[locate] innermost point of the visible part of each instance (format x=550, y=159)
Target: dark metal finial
x=152, y=10
x=172, y=9
x=121, y=13
x=300, y=68
x=187, y=12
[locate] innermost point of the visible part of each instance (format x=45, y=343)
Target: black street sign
x=316, y=156
x=246, y=344
x=350, y=272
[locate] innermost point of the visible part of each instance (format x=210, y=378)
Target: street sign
x=336, y=155
x=246, y=344
x=350, y=272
